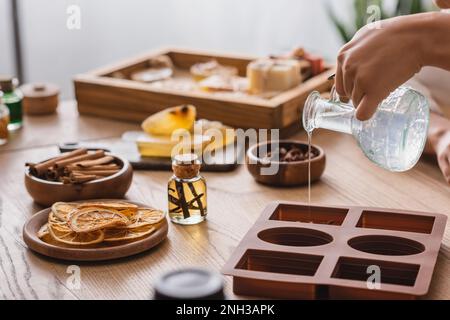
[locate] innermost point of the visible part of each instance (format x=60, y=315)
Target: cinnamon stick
x=111, y=166
x=65, y=180
x=40, y=169
x=91, y=156
x=82, y=178
x=78, y=179
x=76, y=167
x=52, y=174
x=96, y=162
x=102, y=173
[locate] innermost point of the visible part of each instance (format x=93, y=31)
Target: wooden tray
x=100, y=94
x=32, y=226
x=298, y=252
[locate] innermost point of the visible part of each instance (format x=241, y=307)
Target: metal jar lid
x=190, y=284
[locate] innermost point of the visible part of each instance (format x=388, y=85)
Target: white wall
x=114, y=29
x=6, y=40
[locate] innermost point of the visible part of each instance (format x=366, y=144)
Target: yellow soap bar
x=154, y=146
x=206, y=134
x=163, y=146
x=220, y=135
x=267, y=75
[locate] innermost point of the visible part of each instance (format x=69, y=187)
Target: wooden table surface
x=234, y=202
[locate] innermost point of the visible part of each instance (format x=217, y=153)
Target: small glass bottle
x=4, y=121
x=187, y=191
x=394, y=138
x=13, y=99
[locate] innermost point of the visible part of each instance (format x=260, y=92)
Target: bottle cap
x=6, y=83
x=186, y=159
x=191, y=284
x=186, y=166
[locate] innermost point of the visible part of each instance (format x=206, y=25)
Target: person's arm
x=379, y=60
x=437, y=46
x=439, y=142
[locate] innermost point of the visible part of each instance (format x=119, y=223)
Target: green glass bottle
x=13, y=100
x=4, y=121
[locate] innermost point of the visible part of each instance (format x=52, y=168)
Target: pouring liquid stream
x=309, y=176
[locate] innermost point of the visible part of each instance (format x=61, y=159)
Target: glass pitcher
x=394, y=138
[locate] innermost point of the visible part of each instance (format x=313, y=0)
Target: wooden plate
x=30, y=237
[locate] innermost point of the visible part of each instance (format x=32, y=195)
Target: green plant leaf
x=403, y=7
x=416, y=7
x=383, y=13
x=346, y=35
x=360, y=7
x=379, y=4
x=399, y=7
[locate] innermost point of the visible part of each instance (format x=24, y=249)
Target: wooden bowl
x=47, y=193
x=289, y=174
x=98, y=253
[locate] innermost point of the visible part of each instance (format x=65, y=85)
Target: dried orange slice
x=62, y=209
x=90, y=223
x=43, y=231
x=146, y=216
x=130, y=213
x=67, y=236
x=57, y=224
x=92, y=219
x=115, y=205
x=124, y=234
x=59, y=227
x=54, y=220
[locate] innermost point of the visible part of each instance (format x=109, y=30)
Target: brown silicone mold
x=299, y=252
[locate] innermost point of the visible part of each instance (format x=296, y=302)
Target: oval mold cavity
x=295, y=237
x=386, y=245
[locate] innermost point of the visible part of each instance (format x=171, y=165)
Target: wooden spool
x=40, y=98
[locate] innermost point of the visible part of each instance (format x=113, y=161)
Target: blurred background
x=37, y=45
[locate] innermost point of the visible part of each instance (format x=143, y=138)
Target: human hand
x=379, y=59
x=443, y=4
x=441, y=145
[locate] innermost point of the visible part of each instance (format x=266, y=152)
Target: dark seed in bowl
x=290, y=154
